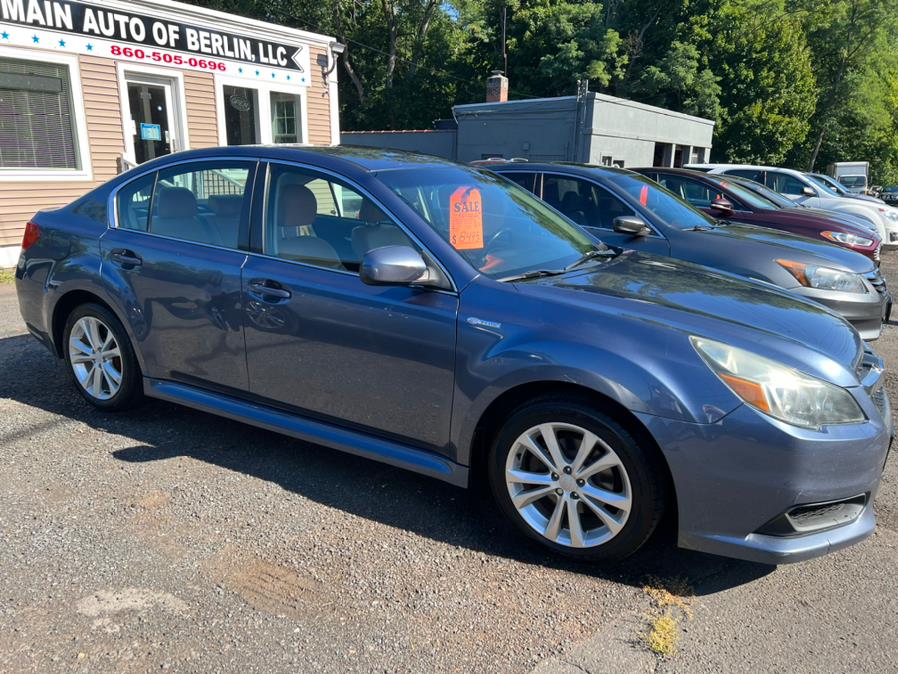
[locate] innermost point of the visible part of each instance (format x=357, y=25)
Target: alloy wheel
x=95, y=357
x=568, y=485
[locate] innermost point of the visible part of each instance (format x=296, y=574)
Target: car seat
x=377, y=231
x=176, y=215
x=297, y=209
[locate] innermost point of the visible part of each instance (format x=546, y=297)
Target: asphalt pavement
x=165, y=538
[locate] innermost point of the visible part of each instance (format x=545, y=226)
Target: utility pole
x=504, y=44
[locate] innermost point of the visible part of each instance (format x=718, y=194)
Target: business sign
x=150, y=131
x=139, y=37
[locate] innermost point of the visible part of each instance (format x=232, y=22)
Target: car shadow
x=364, y=488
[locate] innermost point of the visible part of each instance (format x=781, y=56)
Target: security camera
x=337, y=47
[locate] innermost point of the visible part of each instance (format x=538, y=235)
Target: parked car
x=439, y=318
x=841, y=190
x=626, y=209
x=722, y=198
x=785, y=202
x=890, y=194
x=797, y=186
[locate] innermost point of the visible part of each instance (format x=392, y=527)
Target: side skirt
x=353, y=442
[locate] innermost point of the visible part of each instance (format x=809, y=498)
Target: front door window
x=151, y=118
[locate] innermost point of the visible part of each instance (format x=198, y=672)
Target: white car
x=808, y=192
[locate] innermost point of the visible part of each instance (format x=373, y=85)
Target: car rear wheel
x=575, y=480
x=100, y=358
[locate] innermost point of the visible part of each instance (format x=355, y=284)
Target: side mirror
x=392, y=265
x=808, y=191
x=632, y=225
x=722, y=208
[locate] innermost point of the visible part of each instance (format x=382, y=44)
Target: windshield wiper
x=536, y=273
x=591, y=255
x=586, y=257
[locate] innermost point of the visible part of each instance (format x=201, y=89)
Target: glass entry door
x=153, y=122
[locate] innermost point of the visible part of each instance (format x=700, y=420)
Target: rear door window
x=204, y=202
x=524, y=179
x=752, y=174
x=583, y=201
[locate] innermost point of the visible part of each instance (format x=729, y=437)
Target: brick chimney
x=497, y=88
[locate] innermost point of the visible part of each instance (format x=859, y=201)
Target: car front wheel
x=575, y=480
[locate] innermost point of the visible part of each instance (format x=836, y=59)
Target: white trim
x=82, y=140
x=333, y=95
x=9, y=256
x=263, y=104
x=222, y=21
x=176, y=79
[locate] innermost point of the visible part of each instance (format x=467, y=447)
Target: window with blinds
x=37, y=122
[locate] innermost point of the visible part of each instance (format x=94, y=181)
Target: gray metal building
x=593, y=128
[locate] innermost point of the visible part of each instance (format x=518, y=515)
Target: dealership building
x=90, y=88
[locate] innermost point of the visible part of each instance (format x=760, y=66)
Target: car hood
x=812, y=219
x=838, y=216
x=777, y=244
x=702, y=301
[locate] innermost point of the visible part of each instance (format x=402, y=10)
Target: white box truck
x=854, y=175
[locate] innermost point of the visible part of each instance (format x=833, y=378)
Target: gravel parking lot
x=167, y=538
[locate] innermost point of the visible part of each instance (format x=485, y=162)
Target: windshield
x=749, y=197
x=501, y=229
x=854, y=181
x=826, y=189
x=769, y=194
x=830, y=182
x=662, y=203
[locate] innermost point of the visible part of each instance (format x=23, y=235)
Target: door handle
x=269, y=289
x=126, y=257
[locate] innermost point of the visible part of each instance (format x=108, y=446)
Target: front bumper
x=734, y=477
x=865, y=311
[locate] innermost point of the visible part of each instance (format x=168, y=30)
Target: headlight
x=824, y=278
x=847, y=239
x=777, y=390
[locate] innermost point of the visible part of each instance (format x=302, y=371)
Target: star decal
x=4, y=35
x=35, y=39
x=90, y=47
x=257, y=73
x=62, y=43
x=240, y=70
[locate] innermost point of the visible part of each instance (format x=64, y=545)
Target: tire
x=98, y=385
x=627, y=475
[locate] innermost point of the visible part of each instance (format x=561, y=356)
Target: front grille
x=870, y=372
x=879, y=399
x=876, y=280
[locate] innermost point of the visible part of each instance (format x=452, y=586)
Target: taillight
x=32, y=235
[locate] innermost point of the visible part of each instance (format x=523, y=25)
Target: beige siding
x=20, y=200
x=318, y=106
x=202, y=119
x=99, y=82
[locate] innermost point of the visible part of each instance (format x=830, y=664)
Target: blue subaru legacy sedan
x=440, y=318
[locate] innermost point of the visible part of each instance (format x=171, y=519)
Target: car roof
x=569, y=167
x=338, y=157
x=754, y=167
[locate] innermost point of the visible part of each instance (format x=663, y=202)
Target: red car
x=723, y=198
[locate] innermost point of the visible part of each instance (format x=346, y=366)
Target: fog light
x=814, y=517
